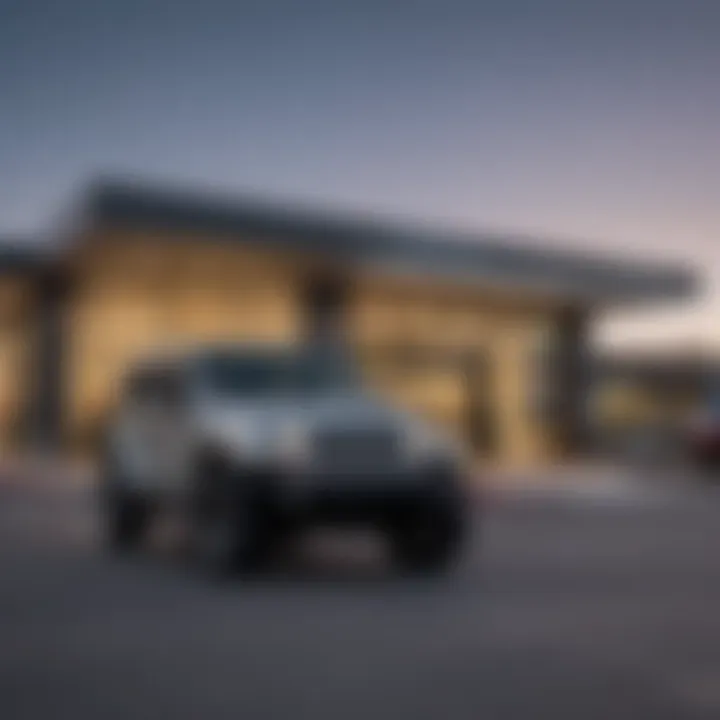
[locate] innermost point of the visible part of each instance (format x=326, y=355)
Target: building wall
x=456, y=330
x=130, y=293
x=133, y=294
x=17, y=303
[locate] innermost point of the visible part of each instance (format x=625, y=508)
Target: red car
x=704, y=439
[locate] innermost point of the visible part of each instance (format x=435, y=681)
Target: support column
x=48, y=387
x=522, y=440
x=571, y=375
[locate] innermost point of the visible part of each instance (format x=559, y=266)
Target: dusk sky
x=596, y=124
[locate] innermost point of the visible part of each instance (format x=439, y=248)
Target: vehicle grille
x=357, y=449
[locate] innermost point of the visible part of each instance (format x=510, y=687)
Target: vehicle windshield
x=255, y=373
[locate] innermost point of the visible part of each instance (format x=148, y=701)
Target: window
x=259, y=373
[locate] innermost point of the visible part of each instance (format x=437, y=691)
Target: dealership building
x=483, y=334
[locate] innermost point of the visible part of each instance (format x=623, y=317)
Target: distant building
x=478, y=332
x=660, y=389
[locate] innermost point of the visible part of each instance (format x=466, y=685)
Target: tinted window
x=235, y=375
x=329, y=369
x=264, y=373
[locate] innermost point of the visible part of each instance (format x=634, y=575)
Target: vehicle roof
x=185, y=354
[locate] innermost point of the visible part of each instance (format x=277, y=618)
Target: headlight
x=422, y=444
x=239, y=438
x=293, y=444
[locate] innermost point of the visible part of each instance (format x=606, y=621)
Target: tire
x=428, y=540
x=127, y=520
x=227, y=533
x=125, y=513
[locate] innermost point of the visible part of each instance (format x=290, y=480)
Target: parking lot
x=563, y=608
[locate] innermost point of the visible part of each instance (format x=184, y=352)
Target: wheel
x=428, y=540
x=125, y=513
x=228, y=534
x=127, y=519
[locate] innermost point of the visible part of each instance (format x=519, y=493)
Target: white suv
x=253, y=443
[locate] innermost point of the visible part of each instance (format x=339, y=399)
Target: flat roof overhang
x=23, y=260
x=490, y=260
x=563, y=280
x=19, y=255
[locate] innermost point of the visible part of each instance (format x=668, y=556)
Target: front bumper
x=358, y=494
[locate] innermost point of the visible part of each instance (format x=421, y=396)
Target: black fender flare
x=214, y=471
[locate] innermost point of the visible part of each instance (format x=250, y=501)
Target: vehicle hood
x=262, y=422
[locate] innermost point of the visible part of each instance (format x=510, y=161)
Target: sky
x=589, y=124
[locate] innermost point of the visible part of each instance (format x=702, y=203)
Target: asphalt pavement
x=575, y=610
